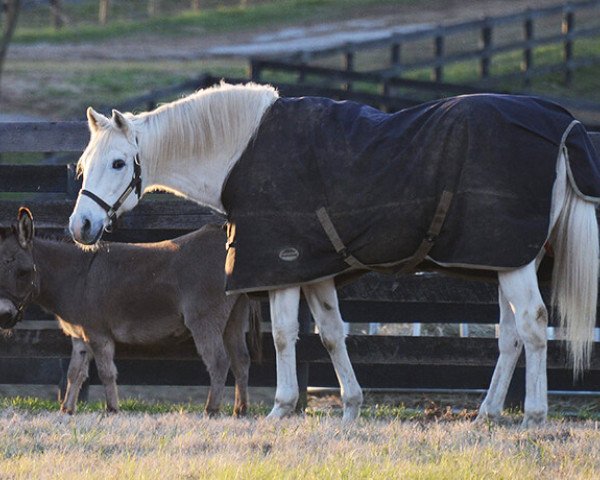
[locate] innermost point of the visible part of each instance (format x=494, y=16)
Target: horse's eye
x=118, y=164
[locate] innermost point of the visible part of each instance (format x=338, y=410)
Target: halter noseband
x=111, y=211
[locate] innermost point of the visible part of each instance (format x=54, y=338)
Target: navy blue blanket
x=380, y=178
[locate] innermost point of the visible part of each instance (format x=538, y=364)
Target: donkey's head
x=111, y=173
x=17, y=269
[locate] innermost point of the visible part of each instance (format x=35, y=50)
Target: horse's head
x=111, y=172
x=17, y=269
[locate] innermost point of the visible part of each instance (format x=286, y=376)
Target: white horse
x=188, y=147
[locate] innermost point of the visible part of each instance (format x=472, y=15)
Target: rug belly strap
x=410, y=263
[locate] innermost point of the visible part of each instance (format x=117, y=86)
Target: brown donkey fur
x=139, y=294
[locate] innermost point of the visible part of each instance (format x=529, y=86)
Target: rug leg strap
x=336, y=241
x=432, y=234
x=419, y=255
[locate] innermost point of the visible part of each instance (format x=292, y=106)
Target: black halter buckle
x=111, y=210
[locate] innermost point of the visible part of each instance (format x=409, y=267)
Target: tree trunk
x=195, y=5
x=153, y=7
x=10, y=10
x=56, y=11
x=103, y=12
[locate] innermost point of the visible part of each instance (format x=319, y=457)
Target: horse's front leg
x=284, y=321
x=323, y=303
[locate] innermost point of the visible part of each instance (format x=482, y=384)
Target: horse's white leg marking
x=104, y=354
x=323, y=303
x=521, y=291
x=284, y=320
x=510, y=346
x=77, y=374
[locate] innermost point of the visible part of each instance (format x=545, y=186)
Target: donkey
x=133, y=294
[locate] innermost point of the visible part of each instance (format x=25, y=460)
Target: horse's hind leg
x=510, y=346
x=284, y=321
x=521, y=291
x=77, y=374
x=323, y=303
x=235, y=343
x=208, y=337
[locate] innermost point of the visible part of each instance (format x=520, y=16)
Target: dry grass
x=184, y=445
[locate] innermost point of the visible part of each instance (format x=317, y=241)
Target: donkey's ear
x=121, y=122
x=96, y=120
x=24, y=227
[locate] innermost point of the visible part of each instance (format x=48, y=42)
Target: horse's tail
x=575, y=276
x=254, y=337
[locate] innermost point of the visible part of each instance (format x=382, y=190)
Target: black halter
x=111, y=211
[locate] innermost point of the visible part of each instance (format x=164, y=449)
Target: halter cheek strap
x=111, y=210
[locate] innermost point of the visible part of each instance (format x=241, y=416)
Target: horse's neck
x=59, y=268
x=200, y=172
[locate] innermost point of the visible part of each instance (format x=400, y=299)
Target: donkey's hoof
x=240, y=411
x=484, y=417
x=66, y=410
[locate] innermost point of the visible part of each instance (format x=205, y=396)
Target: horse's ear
x=24, y=227
x=121, y=122
x=95, y=120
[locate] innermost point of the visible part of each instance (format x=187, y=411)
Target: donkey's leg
x=510, y=346
x=323, y=303
x=104, y=353
x=235, y=343
x=520, y=288
x=77, y=374
x=284, y=320
x=207, y=330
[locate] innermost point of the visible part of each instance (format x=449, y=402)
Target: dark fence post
x=304, y=318
x=528, y=51
x=486, y=43
x=438, y=72
x=568, y=25
x=349, y=67
x=395, y=61
x=255, y=70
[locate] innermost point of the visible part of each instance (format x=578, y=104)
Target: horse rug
x=327, y=188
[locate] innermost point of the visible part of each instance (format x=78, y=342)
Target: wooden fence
x=506, y=47
x=33, y=353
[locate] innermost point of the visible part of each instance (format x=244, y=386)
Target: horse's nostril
x=87, y=225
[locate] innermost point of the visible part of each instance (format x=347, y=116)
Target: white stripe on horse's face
x=107, y=165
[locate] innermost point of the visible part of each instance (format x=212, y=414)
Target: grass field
x=41, y=444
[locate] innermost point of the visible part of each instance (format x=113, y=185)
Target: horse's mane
x=214, y=121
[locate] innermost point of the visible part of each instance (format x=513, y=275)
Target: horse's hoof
x=351, y=413
x=280, y=411
x=487, y=417
x=533, y=420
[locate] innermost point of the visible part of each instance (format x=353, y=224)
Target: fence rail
x=478, y=44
